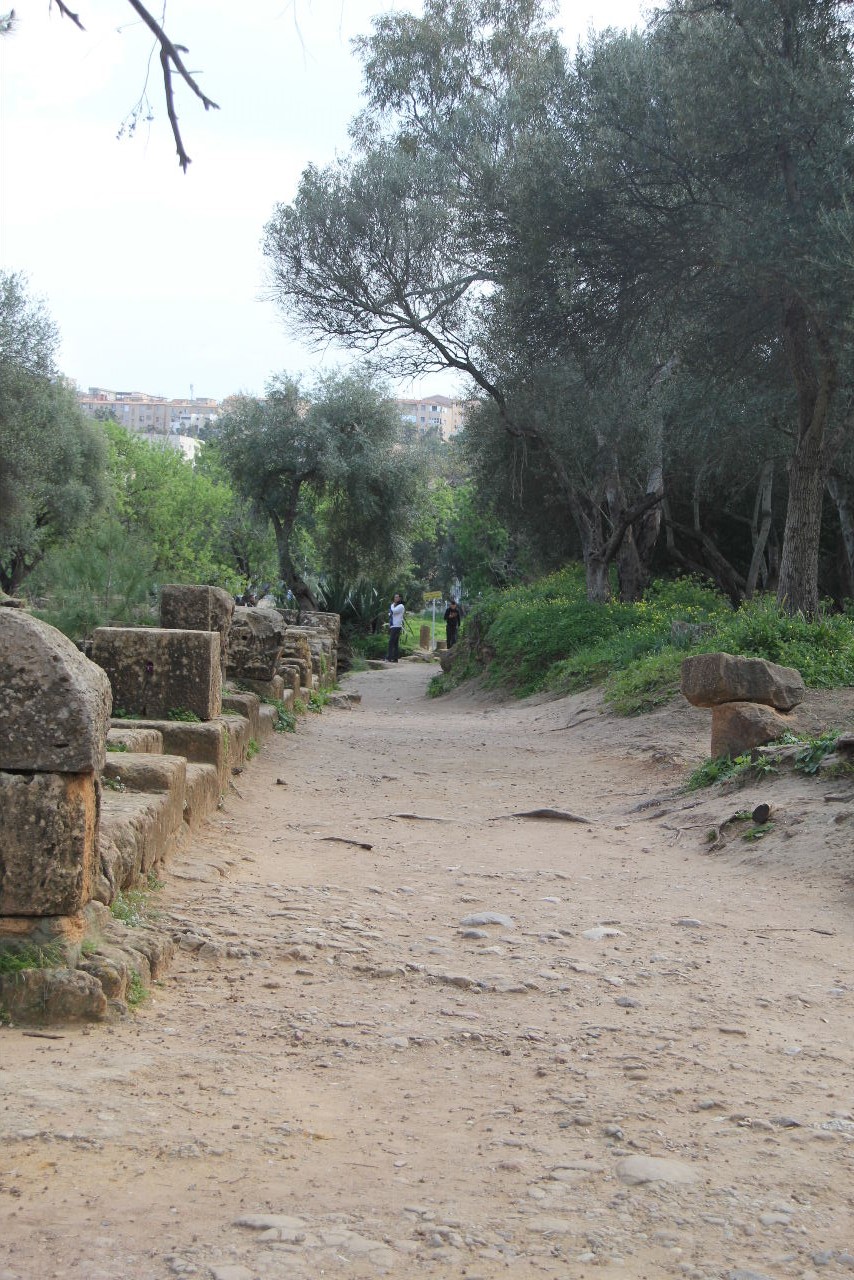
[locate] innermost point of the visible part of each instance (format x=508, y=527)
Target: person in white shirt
x=395, y=626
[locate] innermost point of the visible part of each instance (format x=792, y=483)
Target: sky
x=155, y=278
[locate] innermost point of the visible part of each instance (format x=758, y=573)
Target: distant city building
x=434, y=412
x=150, y=415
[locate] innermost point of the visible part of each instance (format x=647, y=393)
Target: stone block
x=246, y=705
x=203, y=793
x=191, y=608
x=710, y=679
x=157, y=672
x=290, y=674
x=197, y=743
x=254, y=644
x=120, y=740
x=48, y=855
x=54, y=703
x=740, y=726
x=36, y=997
x=274, y=688
x=60, y=936
x=139, y=830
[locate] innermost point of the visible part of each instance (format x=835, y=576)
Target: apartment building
x=440, y=412
x=149, y=415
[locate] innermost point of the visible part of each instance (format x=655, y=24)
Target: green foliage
x=102, y=577
x=132, y=907
x=286, y=721
x=317, y=700
x=117, y=746
x=722, y=769
x=182, y=513
x=113, y=784
x=252, y=749
x=548, y=636
x=811, y=751
x=16, y=959
x=323, y=468
x=137, y=992
x=187, y=717
x=52, y=459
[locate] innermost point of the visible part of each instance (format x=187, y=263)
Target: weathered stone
x=246, y=705
x=255, y=643
x=121, y=739
x=112, y=973
x=710, y=679
x=199, y=743
x=634, y=1170
x=48, y=858
x=290, y=673
x=54, y=703
x=157, y=672
x=425, y=636
x=190, y=608
x=139, y=828
x=59, y=936
x=274, y=688
x=740, y=726
x=36, y=996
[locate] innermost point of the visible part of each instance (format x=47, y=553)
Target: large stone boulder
x=54, y=703
x=190, y=608
x=740, y=726
x=158, y=672
x=255, y=643
x=48, y=855
x=710, y=679
x=38, y=996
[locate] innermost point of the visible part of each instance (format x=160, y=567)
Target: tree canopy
x=590, y=237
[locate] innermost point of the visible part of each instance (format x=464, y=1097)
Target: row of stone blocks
x=80, y=822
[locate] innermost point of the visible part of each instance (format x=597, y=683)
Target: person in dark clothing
x=452, y=622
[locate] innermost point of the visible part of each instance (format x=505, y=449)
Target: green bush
x=548, y=636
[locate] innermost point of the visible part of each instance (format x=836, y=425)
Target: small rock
x=689, y=922
x=775, y=1219
x=489, y=917
x=634, y=1170
x=626, y=1002
x=601, y=931
x=232, y=1272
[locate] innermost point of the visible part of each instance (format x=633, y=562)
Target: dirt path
x=347, y=1079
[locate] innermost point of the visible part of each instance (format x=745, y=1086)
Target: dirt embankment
x=466, y=1043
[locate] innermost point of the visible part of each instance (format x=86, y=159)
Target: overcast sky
x=156, y=279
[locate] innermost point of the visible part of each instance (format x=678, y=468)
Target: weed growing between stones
x=252, y=749
x=17, y=959
x=750, y=766
x=299, y=707
x=133, y=906
x=113, y=784
x=286, y=721
x=117, y=746
x=188, y=717
x=137, y=991
x=317, y=700
x=811, y=751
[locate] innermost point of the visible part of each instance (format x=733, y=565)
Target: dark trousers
x=393, y=644
x=451, y=634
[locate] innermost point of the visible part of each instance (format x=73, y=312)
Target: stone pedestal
x=190, y=608
x=49, y=843
x=158, y=673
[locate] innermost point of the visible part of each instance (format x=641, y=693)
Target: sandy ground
x=348, y=1080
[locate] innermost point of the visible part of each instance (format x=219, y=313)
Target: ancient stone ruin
x=749, y=699
x=93, y=803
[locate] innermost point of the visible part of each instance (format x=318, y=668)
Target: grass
x=317, y=700
x=187, y=717
x=133, y=906
x=17, y=959
x=750, y=766
x=252, y=749
x=137, y=991
x=117, y=746
x=548, y=637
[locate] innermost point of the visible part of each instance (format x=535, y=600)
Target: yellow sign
x=432, y=595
